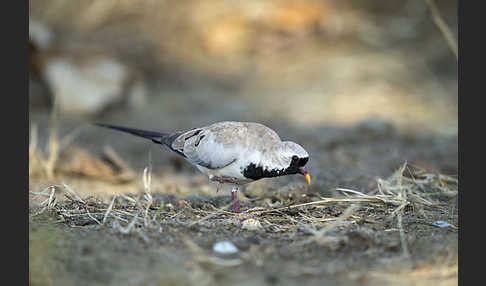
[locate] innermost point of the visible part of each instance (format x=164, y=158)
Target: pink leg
x=234, y=196
x=234, y=190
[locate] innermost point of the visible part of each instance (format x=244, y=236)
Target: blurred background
x=304, y=62
x=363, y=86
x=309, y=69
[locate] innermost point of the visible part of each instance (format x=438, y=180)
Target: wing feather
x=220, y=144
x=203, y=150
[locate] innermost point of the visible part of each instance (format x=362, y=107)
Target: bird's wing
x=221, y=144
x=204, y=147
x=211, y=156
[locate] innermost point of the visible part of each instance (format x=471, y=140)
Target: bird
x=232, y=152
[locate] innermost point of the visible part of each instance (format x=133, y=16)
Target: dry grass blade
x=130, y=199
x=44, y=192
x=361, y=198
x=403, y=238
x=383, y=198
x=410, y=185
x=49, y=202
x=147, y=183
x=53, y=156
x=444, y=29
x=110, y=207
x=92, y=217
x=71, y=194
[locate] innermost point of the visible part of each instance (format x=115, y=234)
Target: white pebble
x=225, y=247
x=441, y=224
x=251, y=224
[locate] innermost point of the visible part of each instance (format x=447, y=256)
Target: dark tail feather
x=157, y=137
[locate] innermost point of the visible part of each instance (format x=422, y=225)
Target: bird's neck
x=256, y=172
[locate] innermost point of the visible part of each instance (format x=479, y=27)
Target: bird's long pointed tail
x=157, y=137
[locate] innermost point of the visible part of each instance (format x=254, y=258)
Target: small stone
x=169, y=206
x=225, y=247
x=87, y=84
x=251, y=224
x=441, y=224
x=183, y=203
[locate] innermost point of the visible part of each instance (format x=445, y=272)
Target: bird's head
x=295, y=158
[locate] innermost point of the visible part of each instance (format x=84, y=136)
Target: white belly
x=232, y=170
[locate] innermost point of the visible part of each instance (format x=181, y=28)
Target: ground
x=332, y=239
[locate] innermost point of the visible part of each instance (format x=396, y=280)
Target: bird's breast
x=232, y=170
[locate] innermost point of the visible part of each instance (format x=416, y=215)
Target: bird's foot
x=236, y=202
x=234, y=191
x=224, y=180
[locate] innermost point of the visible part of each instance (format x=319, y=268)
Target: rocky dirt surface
x=187, y=217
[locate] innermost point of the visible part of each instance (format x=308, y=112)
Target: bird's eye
x=295, y=158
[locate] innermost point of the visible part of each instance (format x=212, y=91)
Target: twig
x=444, y=29
x=92, y=217
x=109, y=209
x=72, y=194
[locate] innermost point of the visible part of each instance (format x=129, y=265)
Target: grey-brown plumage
x=232, y=152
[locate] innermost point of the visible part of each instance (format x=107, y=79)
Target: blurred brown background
x=306, y=63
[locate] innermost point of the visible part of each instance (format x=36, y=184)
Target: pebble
x=441, y=224
x=251, y=224
x=225, y=247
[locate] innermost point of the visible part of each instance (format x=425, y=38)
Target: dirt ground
x=377, y=114
x=70, y=244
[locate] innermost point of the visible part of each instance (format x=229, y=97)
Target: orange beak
x=304, y=172
x=307, y=177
